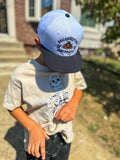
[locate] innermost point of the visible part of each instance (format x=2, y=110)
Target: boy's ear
x=38, y=44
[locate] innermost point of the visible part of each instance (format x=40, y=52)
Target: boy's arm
x=36, y=134
x=68, y=111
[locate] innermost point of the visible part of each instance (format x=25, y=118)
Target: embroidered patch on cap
x=66, y=46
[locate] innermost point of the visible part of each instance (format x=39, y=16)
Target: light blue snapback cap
x=60, y=35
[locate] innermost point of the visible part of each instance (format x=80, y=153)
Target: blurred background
x=97, y=123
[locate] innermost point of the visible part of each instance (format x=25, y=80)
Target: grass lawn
x=101, y=104
x=108, y=62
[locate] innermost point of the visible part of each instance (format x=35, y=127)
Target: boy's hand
x=68, y=111
x=37, y=135
x=36, y=145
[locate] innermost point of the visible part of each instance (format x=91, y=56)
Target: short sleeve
x=13, y=95
x=80, y=81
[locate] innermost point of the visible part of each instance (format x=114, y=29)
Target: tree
x=104, y=11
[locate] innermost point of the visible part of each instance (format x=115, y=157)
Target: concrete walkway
x=7, y=68
x=9, y=65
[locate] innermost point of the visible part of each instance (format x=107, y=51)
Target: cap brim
x=68, y=64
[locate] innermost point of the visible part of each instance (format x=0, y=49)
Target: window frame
x=37, y=14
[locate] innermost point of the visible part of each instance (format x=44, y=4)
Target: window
x=31, y=8
x=86, y=20
x=3, y=17
x=35, y=9
x=47, y=5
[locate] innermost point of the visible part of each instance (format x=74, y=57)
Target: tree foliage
x=104, y=11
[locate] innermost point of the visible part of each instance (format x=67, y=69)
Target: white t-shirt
x=36, y=85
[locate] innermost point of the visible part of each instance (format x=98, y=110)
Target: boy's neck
x=40, y=60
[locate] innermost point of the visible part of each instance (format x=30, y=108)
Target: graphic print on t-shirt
x=56, y=82
x=58, y=100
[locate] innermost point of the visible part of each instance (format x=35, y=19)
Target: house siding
x=66, y=5
x=24, y=30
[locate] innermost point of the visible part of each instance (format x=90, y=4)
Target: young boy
x=51, y=86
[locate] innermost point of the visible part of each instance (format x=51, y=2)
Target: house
x=19, y=20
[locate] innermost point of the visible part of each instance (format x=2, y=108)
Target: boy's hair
x=60, y=35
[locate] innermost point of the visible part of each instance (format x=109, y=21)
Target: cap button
x=67, y=15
